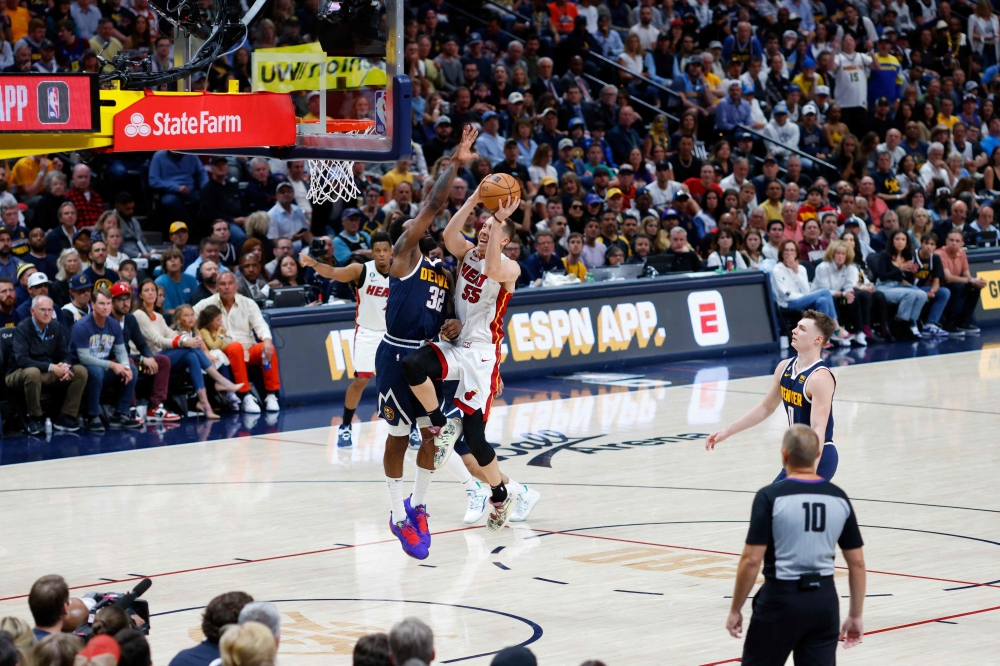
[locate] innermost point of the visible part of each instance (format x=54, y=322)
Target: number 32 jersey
x=480, y=301
x=414, y=310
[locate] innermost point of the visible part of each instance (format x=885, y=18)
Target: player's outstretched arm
x=345, y=274
x=757, y=414
x=504, y=272
x=409, y=242
x=457, y=244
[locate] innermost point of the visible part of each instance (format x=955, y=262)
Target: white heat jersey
x=480, y=302
x=851, y=77
x=372, y=296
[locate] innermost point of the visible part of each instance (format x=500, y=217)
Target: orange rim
x=335, y=125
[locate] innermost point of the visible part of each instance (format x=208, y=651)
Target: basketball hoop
x=333, y=180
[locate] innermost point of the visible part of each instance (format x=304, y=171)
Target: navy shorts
x=396, y=404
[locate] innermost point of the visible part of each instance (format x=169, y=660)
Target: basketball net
x=333, y=180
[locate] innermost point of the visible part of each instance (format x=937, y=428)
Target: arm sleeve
x=850, y=537
x=759, y=533
x=86, y=358
x=136, y=337
x=120, y=352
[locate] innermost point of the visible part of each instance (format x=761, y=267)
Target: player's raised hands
x=463, y=153
x=507, y=208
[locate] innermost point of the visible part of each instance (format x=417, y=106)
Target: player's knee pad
x=420, y=365
x=474, y=430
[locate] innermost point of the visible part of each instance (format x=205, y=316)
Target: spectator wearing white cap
x=38, y=285
x=821, y=100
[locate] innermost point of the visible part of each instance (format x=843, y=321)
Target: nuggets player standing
x=418, y=290
x=371, y=281
x=804, y=386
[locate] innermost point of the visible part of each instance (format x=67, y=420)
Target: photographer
x=222, y=610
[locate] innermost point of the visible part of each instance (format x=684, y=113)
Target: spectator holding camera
x=958, y=279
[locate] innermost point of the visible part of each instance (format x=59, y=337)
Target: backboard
x=351, y=71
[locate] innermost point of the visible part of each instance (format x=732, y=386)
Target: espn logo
x=708, y=318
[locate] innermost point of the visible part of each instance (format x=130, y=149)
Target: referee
x=795, y=527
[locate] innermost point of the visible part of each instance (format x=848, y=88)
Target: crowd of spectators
x=236, y=631
x=849, y=149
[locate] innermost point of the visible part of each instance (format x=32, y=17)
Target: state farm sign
x=193, y=122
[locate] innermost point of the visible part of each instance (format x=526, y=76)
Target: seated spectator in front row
x=573, y=262
x=790, y=284
x=156, y=366
x=685, y=260
x=544, y=258
x=243, y=321
x=95, y=341
x=41, y=359
x=250, y=282
x=185, y=353
x=593, y=249
x=964, y=288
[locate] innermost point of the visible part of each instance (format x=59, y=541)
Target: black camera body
x=317, y=248
x=128, y=601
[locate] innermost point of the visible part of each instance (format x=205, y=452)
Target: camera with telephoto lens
x=317, y=248
x=128, y=601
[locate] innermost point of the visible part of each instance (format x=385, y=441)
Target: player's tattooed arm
x=438, y=197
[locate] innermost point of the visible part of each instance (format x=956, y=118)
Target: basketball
x=497, y=187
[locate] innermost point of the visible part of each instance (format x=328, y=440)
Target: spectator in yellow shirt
x=19, y=20
x=808, y=79
x=29, y=172
x=946, y=117
x=572, y=262
x=400, y=174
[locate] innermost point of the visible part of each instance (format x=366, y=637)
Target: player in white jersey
x=850, y=73
x=483, y=287
x=371, y=282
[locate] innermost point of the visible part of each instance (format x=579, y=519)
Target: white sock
x=457, y=467
x=396, y=499
x=514, y=488
x=421, y=484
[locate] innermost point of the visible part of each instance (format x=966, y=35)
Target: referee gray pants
x=787, y=620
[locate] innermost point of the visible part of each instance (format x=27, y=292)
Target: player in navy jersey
x=804, y=386
x=414, y=315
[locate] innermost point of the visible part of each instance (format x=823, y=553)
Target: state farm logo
x=137, y=126
x=708, y=318
x=203, y=123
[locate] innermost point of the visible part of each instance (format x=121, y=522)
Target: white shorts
x=476, y=367
x=366, y=342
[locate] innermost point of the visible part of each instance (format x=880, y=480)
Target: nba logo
x=380, y=112
x=708, y=318
x=53, y=103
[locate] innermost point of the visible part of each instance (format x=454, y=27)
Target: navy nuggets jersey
x=793, y=395
x=415, y=309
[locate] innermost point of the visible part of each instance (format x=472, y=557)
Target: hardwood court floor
x=629, y=557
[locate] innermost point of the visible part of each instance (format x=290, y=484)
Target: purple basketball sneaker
x=417, y=515
x=409, y=538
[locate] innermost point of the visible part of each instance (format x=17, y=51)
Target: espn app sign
x=708, y=318
x=45, y=103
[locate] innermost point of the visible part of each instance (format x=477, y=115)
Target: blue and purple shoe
x=408, y=537
x=418, y=518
